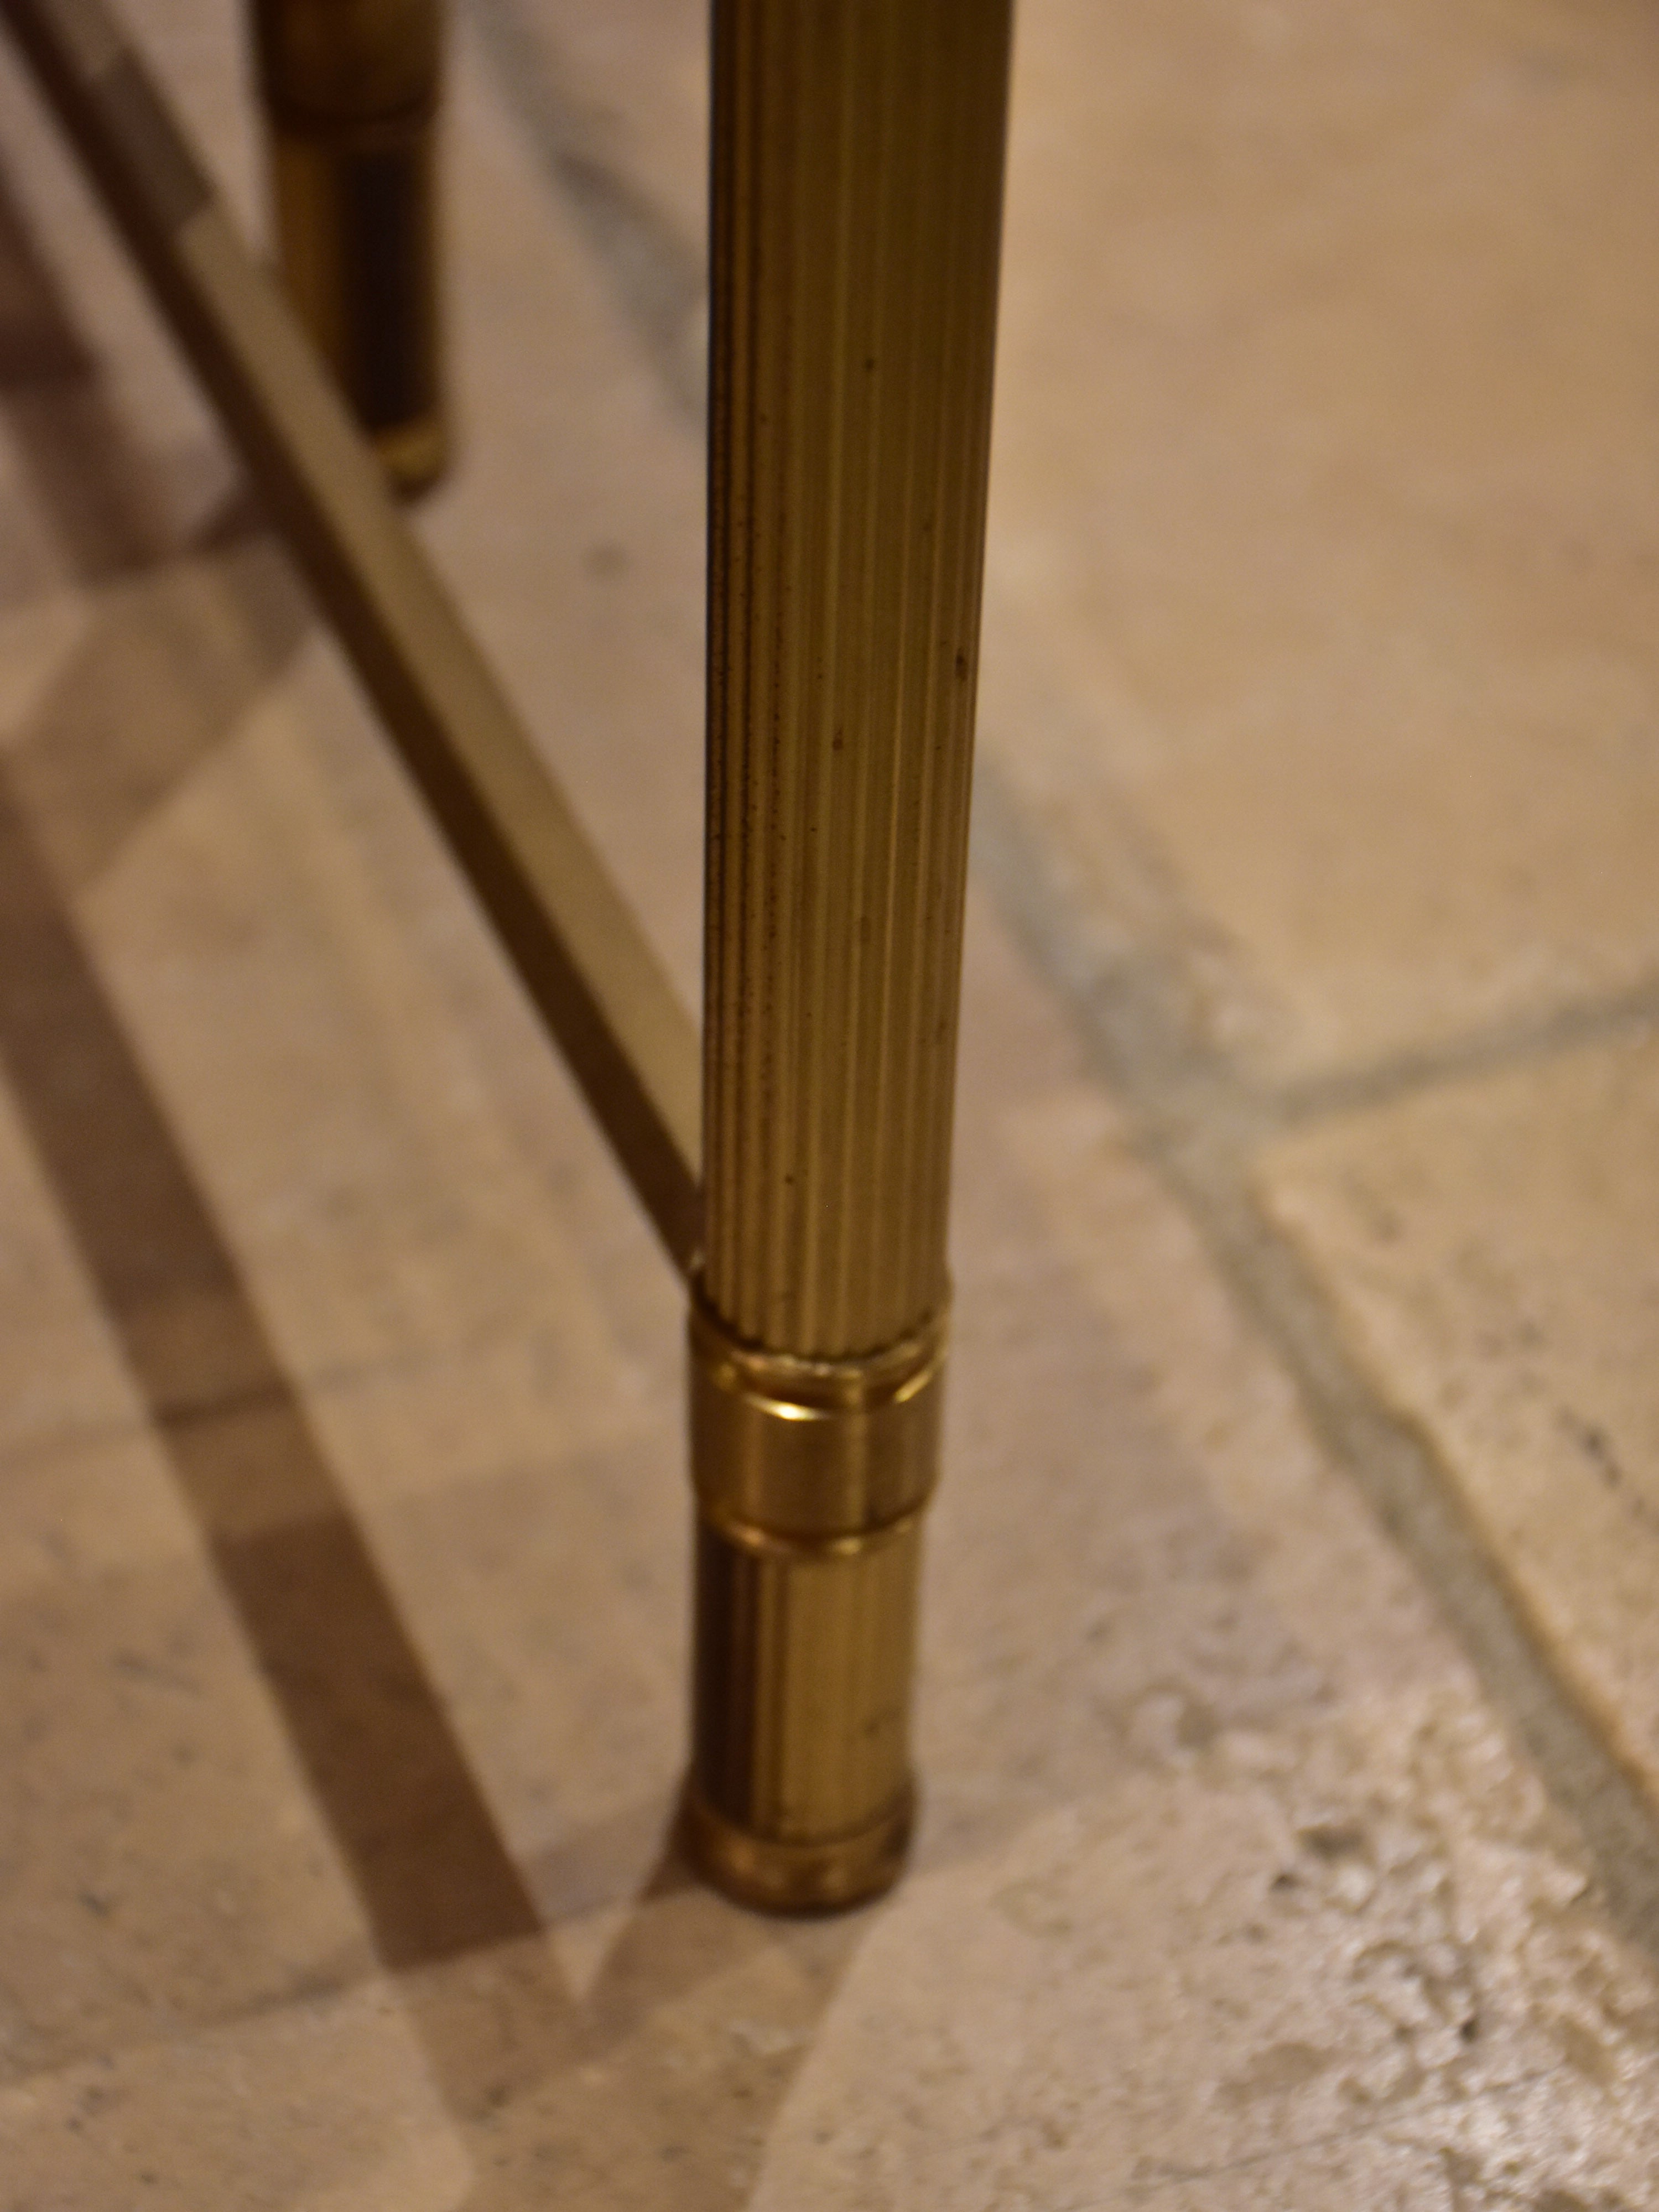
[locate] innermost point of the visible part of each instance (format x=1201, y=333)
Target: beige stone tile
x=577, y=556
x=1322, y=494
x=83, y=1511
x=1225, y=1405
x=1489, y=1249
x=324, y=2107
x=35, y=639
x=1229, y=1891
x=330, y=1110
x=1206, y=1979
x=162, y=1866
x=1137, y=1544
x=167, y=661
x=588, y=595
x=657, y=2088
x=576, y=553
x=550, y=1601
x=628, y=88
x=142, y=398
x=203, y=56
x=35, y=609
x=62, y=1376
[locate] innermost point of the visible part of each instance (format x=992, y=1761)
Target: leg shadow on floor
x=174, y=655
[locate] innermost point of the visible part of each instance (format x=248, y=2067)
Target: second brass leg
x=356, y=222
x=351, y=93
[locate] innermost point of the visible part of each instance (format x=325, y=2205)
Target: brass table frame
x=856, y=198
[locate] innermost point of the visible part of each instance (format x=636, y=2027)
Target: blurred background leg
x=350, y=90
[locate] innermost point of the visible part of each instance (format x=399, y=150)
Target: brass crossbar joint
x=811, y=1476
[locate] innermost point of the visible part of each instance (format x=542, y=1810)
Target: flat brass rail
x=576, y=947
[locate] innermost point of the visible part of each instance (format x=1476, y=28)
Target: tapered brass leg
x=350, y=90
x=856, y=209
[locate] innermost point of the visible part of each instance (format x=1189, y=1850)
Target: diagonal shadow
x=432, y=1874
x=185, y=636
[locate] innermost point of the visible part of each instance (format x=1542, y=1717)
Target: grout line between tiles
x=1200, y=1128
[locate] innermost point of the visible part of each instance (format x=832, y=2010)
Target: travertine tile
x=324, y=2107
x=1231, y=1891
x=83, y=1511
x=1492, y=1250
x=623, y=93
x=1323, y=496
x=549, y=1598
x=137, y=435
x=1227, y=1408
x=576, y=552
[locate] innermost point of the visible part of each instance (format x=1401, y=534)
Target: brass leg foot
x=771, y=1877
x=351, y=95
x=811, y=1476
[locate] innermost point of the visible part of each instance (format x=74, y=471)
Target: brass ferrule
x=811, y=1476
x=351, y=89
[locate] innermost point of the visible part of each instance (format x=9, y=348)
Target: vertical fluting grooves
x=791, y=1645
x=857, y=189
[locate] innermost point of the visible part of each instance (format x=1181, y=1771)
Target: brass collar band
x=793, y=1448
x=811, y=1477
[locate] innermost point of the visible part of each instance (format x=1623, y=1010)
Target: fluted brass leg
x=351, y=89
x=856, y=207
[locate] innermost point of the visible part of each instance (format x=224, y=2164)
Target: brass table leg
x=856, y=209
x=351, y=91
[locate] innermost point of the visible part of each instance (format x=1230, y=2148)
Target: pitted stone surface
x=1251, y=1971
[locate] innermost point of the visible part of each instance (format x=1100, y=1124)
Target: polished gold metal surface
x=809, y=1476
x=351, y=89
x=578, y=950
x=856, y=211
x=857, y=190
x=813, y=1448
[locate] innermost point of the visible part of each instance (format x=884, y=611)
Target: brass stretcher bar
x=858, y=149
x=576, y=947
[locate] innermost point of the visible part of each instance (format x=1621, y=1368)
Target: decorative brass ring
x=788, y=1448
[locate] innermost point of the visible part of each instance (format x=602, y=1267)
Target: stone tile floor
x=1288, y=1719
